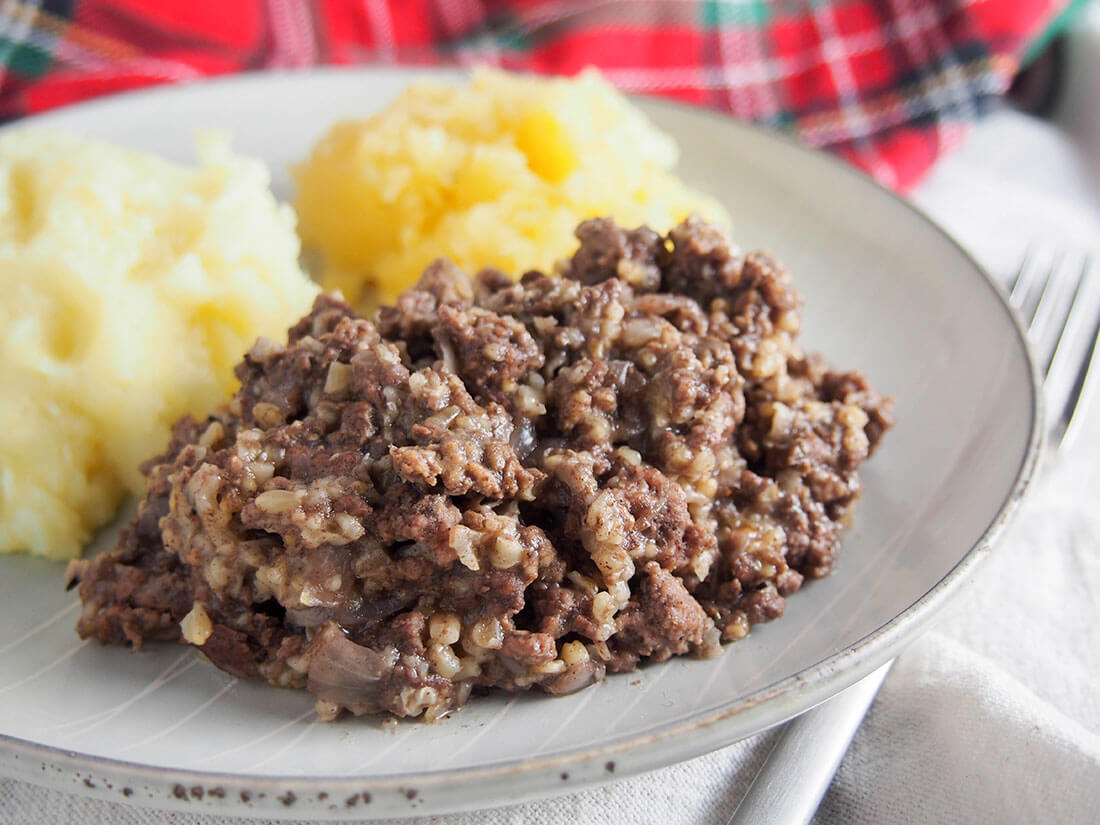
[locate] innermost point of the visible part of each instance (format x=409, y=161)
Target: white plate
x=885, y=290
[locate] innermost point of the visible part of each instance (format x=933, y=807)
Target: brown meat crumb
x=501, y=485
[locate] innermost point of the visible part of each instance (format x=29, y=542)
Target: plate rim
x=819, y=681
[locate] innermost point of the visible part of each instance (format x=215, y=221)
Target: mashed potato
x=131, y=288
x=495, y=173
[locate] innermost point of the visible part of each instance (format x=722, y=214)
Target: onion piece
x=575, y=677
x=348, y=674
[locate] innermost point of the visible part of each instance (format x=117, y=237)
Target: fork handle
x=800, y=767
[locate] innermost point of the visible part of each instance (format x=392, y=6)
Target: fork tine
x=1069, y=414
x=1030, y=277
x=1060, y=344
x=1014, y=296
x=1045, y=305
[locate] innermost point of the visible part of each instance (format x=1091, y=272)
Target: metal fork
x=1056, y=297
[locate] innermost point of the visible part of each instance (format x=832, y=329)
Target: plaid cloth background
x=889, y=85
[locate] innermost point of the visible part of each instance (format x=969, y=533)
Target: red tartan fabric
x=890, y=85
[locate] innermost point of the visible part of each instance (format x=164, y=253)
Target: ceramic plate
x=885, y=290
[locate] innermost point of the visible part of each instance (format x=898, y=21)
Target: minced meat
x=499, y=484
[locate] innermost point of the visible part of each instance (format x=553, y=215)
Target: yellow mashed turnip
x=498, y=172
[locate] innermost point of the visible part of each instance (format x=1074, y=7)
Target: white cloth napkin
x=994, y=715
